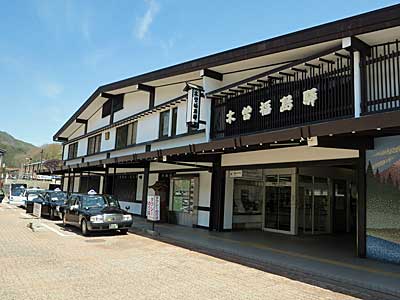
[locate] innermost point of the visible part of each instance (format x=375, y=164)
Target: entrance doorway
x=184, y=200
x=313, y=205
x=278, y=202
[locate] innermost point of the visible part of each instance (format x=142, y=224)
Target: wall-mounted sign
x=153, y=208
x=235, y=173
x=193, y=105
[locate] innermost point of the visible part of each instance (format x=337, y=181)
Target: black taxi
x=96, y=212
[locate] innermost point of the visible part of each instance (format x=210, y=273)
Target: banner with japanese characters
x=153, y=208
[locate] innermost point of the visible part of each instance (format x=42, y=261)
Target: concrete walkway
x=328, y=258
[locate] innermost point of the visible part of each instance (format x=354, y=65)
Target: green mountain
x=18, y=151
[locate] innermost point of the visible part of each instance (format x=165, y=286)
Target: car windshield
x=58, y=196
x=91, y=201
x=17, y=190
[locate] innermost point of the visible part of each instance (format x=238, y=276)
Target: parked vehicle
x=53, y=203
x=2, y=195
x=30, y=194
x=94, y=212
x=30, y=203
x=16, y=194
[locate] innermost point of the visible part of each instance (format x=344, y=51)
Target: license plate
x=113, y=226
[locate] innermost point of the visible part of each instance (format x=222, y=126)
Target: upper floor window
x=126, y=135
x=94, y=144
x=174, y=121
x=112, y=105
x=164, y=124
x=72, y=150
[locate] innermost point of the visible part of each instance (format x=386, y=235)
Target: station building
x=297, y=135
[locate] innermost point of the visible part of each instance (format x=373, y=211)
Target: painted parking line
x=56, y=231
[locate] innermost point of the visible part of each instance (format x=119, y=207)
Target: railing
x=382, y=72
x=332, y=79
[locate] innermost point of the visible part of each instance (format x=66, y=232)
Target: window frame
x=73, y=150
x=161, y=126
x=96, y=144
x=130, y=135
x=174, y=123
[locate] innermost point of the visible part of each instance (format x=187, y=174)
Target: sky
x=55, y=53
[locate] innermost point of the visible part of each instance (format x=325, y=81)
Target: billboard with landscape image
x=383, y=200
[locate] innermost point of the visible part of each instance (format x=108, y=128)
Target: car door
x=68, y=209
x=74, y=213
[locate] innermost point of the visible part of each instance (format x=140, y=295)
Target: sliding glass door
x=278, y=199
x=314, y=205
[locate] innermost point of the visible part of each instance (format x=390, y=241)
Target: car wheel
x=84, y=229
x=124, y=231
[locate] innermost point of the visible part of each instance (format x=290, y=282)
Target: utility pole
x=41, y=159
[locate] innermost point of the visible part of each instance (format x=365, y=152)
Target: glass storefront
x=290, y=201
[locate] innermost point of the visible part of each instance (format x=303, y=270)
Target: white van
x=16, y=194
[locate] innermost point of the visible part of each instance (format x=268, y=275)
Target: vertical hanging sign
x=193, y=105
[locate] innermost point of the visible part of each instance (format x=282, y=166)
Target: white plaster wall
x=95, y=157
x=177, y=142
x=79, y=132
x=148, y=128
x=96, y=121
x=139, y=188
x=65, y=153
x=110, y=143
x=133, y=104
x=282, y=155
x=181, y=119
x=128, y=151
x=164, y=94
x=134, y=208
x=209, y=84
x=153, y=177
x=73, y=161
x=76, y=184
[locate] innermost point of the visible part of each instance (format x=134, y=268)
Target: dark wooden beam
x=359, y=45
x=145, y=88
x=107, y=95
x=145, y=189
x=81, y=121
x=350, y=142
x=62, y=139
x=211, y=74
x=217, y=203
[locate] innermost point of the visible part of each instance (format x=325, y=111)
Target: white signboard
x=236, y=173
x=193, y=107
x=312, y=141
x=153, y=208
x=37, y=209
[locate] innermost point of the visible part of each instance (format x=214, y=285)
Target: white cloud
x=143, y=24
